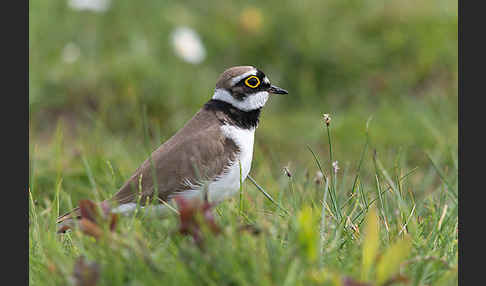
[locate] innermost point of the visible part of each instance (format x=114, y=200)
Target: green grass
x=385, y=72
x=415, y=231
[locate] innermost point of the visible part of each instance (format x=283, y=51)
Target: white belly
x=229, y=183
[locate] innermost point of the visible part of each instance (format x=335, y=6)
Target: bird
x=209, y=157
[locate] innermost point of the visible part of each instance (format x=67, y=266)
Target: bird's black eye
x=252, y=81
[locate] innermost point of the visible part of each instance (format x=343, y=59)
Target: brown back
x=197, y=151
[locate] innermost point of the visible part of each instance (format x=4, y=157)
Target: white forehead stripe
x=236, y=79
x=266, y=80
x=251, y=102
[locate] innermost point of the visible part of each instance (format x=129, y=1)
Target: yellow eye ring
x=250, y=85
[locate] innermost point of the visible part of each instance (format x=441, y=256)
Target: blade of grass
x=90, y=177
x=452, y=191
x=317, y=161
x=325, y=176
x=323, y=222
x=58, y=189
x=408, y=174
x=333, y=177
x=266, y=194
x=148, y=149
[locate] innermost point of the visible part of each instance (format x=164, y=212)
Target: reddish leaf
x=113, y=221
x=209, y=218
x=190, y=213
x=187, y=209
x=253, y=229
x=88, y=210
x=86, y=274
x=63, y=228
x=91, y=222
x=347, y=281
x=397, y=279
x=90, y=228
x=105, y=207
x=188, y=224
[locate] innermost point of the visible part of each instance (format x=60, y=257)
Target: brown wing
x=187, y=156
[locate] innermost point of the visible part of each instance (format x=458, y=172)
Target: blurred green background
x=109, y=81
x=93, y=74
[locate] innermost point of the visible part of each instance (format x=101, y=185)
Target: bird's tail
x=66, y=221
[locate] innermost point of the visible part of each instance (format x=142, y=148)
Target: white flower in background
x=318, y=177
x=287, y=172
x=187, y=45
x=335, y=166
x=70, y=53
x=327, y=119
x=90, y=5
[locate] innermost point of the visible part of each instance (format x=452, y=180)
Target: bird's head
x=245, y=87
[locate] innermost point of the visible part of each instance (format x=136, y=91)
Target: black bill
x=277, y=90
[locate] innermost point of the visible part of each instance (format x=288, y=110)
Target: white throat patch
x=251, y=102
